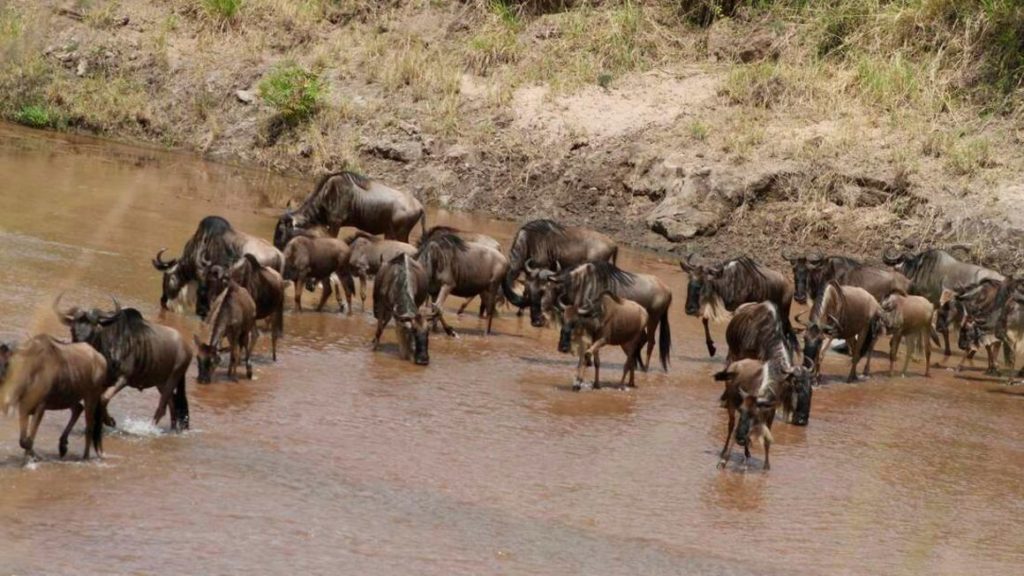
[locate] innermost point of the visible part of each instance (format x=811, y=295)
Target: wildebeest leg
x=491, y=304
x=165, y=398
x=300, y=281
x=62, y=446
x=723, y=458
x=233, y=361
x=652, y=326
x=348, y=295
x=945, y=338
x=465, y=304
x=109, y=393
x=381, y=323
x=326, y=283
x=580, y=367
x=247, y=346
x=894, y=349
x=29, y=428
x=363, y=279
x=766, y=437
x=707, y=338
x=927, y=354
x=909, y=352
x=444, y=324
x=597, y=369
x=855, y=357
x=992, y=350
x=592, y=354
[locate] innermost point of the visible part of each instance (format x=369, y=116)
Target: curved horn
x=117, y=305
x=815, y=256
x=558, y=266
x=530, y=268
x=160, y=264
x=66, y=318
x=892, y=260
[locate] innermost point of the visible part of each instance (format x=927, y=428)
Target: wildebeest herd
x=567, y=275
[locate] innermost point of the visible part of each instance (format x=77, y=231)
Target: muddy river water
x=336, y=460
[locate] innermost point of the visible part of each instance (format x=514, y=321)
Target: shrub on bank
x=296, y=93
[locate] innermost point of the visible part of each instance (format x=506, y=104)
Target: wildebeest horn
x=117, y=305
x=66, y=318
x=815, y=256
x=204, y=263
x=892, y=260
x=788, y=256
x=159, y=262
x=558, y=266
x=800, y=321
x=528, y=265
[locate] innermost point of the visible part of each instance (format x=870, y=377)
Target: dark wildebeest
x=1010, y=322
x=979, y=307
x=811, y=272
x=368, y=253
x=932, y=271
x=400, y=291
x=755, y=331
x=308, y=258
x=46, y=374
x=603, y=321
x=846, y=312
x=348, y=199
x=716, y=289
x=214, y=242
x=464, y=269
x=139, y=354
x=546, y=244
x=586, y=281
x=265, y=286
x=912, y=316
x=233, y=316
x=756, y=389
x=471, y=238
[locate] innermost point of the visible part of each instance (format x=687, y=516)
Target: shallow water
x=339, y=460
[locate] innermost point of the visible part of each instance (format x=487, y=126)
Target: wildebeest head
x=207, y=359
x=415, y=328
x=173, y=281
x=543, y=288
x=804, y=268
x=86, y=325
x=700, y=289
x=795, y=397
x=815, y=333
x=284, y=230
x=970, y=334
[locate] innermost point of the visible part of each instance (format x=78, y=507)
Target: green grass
x=222, y=10
x=699, y=131
x=38, y=116
x=889, y=83
x=967, y=157
x=294, y=92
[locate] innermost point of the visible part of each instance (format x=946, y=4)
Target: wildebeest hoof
x=596, y=385
x=109, y=421
x=63, y=448
x=721, y=464
x=711, y=349
x=576, y=387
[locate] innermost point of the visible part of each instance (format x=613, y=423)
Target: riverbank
x=777, y=127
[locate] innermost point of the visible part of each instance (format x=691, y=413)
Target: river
x=338, y=460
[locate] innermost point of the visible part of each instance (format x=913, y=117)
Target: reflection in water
x=336, y=459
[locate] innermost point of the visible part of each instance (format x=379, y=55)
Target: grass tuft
x=296, y=93
x=38, y=116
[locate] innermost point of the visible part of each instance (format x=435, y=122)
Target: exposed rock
x=83, y=67
x=245, y=96
x=656, y=177
x=406, y=151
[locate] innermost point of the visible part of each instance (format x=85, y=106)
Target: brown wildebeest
x=909, y=316
x=755, y=331
x=368, y=253
x=846, y=312
x=756, y=389
x=266, y=287
x=463, y=269
x=317, y=258
x=713, y=290
x=233, y=317
x=215, y=241
x=139, y=354
x=46, y=374
x=607, y=320
x=811, y=272
x=1010, y=322
x=932, y=271
x=471, y=238
x=348, y=199
x=586, y=281
x=546, y=244
x=400, y=291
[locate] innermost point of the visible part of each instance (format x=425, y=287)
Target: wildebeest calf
x=233, y=317
x=608, y=320
x=317, y=258
x=846, y=312
x=905, y=315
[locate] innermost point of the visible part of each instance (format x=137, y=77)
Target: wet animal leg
x=300, y=282
x=894, y=349
x=62, y=446
x=326, y=283
x=247, y=346
x=381, y=323
x=165, y=398
x=707, y=338
x=29, y=423
x=726, y=451
x=927, y=354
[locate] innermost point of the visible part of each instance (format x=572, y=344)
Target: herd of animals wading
x=568, y=274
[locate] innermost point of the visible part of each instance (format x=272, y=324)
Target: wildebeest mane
x=834, y=305
x=602, y=277
x=436, y=231
x=125, y=344
x=327, y=196
x=538, y=240
x=440, y=251
x=742, y=280
x=357, y=235
x=209, y=243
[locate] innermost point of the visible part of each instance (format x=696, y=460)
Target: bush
x=294, y=92
x=37, y=116
x=222, y=10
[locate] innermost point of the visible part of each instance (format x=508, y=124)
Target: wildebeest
x=756, y=389
x=755, y=331
x=470, y=237
x=46, y=374
x=811, y=272
x=138, y=353
x=317, y=258
x=909, y=316
x=265, y=286
x=546, y=244
x=1010, y=323
x=400, y=291
x=349, y=199
x=713, y=290
x=464, y=269
x=368, y=253
x=846, y=312
x=932, y=271
x=215, y=241
x=603, y=321
x=980, y=306
x=233, y=317
x=585, y=282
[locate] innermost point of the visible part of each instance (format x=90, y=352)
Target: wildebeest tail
x=179, y=404
x=934, y=335
x=348, y=282
x=99, y=413
x=664, y=341
x=614, y=255
x=875, y=329
x=638, y=356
